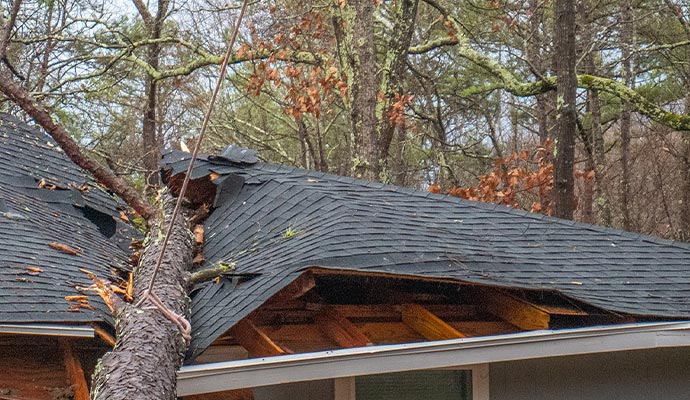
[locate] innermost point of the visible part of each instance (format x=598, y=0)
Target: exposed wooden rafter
x=340, y=329
x=427, y=324
x=520, y=313
x=257, y=343
x=297, y=288
x=75, y=372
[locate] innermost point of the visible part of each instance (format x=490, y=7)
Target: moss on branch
x=210, y=273
x=509, y=82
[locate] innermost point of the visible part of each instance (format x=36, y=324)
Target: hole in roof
x=105, y=223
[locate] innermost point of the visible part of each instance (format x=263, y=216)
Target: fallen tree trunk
x=150, y=347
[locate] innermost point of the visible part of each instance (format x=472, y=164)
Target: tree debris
x=64, y=248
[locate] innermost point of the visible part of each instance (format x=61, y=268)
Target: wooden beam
x=104, y=335
x=297, y=288
x=257, y=343
x=518, y=312
x=427, y=324
x=340, y=329
x=75, y=372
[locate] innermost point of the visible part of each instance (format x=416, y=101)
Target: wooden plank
x=484, y=328
x=340, y=329
x=392, y=312
x=219, y=353
x=361, y=312
x=282, y=317
x=297, y=288
x=561, y=310
x=75, y=372
x=517, y=312
x=300, y=338
x=389, y=332
x=427, y=324
x=257, y=343
x=104, y=335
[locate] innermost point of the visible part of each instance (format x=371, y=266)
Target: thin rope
x=204, y=125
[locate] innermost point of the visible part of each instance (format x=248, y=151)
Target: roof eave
x=214, y=377
x=48, y=330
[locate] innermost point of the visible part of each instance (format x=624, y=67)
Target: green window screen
x=416, y=385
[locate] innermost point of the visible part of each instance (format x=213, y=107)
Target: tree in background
x=420, y=95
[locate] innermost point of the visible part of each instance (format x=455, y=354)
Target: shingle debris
x=51, y=210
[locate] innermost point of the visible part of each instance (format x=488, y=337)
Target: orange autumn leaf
x=434, y=188
x=63, y=248
x=81, y=299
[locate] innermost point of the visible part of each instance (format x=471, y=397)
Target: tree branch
x=7, y=29
x=509, y=82
x=302, y=57
x=210, y=273
x=42, y=116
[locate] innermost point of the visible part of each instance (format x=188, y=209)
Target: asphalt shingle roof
x=343, y=223
x=32, y=217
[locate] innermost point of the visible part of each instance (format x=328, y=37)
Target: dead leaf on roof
x=33, y=271
x=63, y=248
x=123, y=216
x=312, y=180
x=199, y=234
x=82, y=188
x=198, y=259
x=42, y=184
x=81, y=299
x=575, y=283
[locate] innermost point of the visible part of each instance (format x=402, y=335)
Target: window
x=415, y=385
x=470, y=383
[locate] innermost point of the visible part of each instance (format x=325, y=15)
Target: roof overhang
x=215, y=377
x=47, y=330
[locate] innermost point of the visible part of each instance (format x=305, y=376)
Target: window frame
x=345, y=388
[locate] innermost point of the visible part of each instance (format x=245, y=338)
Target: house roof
x=46, y=199
x=276, y=221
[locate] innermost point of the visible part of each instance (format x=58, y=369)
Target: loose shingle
x=33, y=217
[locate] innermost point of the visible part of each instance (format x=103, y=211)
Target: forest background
x=455, y=97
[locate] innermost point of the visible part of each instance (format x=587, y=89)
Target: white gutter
x=47, y=330
x=215, y=377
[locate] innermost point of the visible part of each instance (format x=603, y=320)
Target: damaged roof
x=275, y=221
x=49, y=210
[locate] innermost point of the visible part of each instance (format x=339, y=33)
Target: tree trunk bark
x=150, y=348
x=150, y=123
x=392, y=77
x=364, y=90
x=626, y=45
x=564, y=29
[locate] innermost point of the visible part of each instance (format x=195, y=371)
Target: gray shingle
x=344, y=223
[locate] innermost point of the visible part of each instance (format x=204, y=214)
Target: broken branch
x=208, y=274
